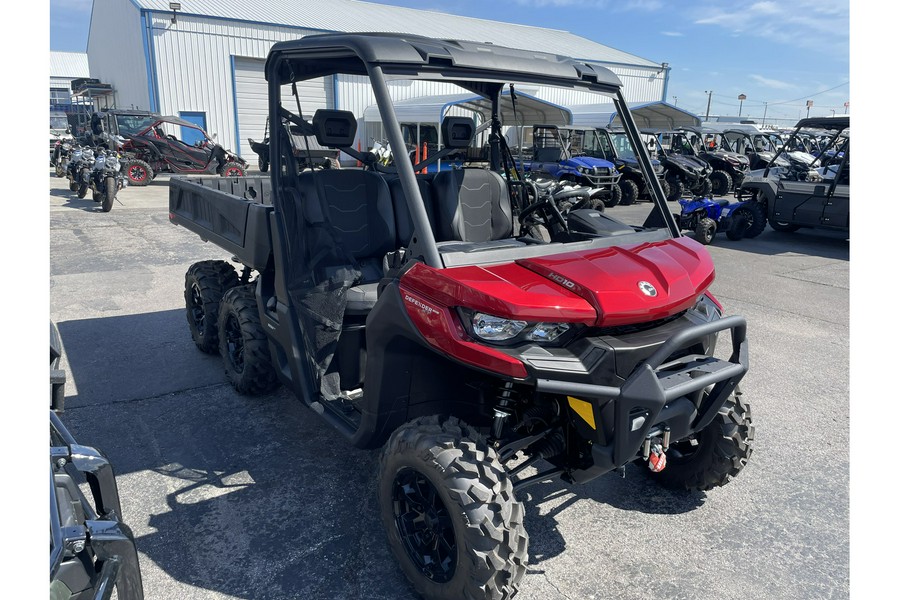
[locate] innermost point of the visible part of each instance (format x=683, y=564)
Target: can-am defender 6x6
x=414, y=313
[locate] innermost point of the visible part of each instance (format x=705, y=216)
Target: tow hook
x=654, y=449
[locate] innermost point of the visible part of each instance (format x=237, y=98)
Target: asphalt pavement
x=256, y=497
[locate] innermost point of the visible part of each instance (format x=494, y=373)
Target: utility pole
x=741, y=97
x=846, y=106
x=765, y=110
x=708, y=102
x=809, y=104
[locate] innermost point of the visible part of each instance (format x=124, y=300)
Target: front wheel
x=715, y=455
x=109, y=196
x=703, y=189
x=783, y=226
x=706, y=231
x=748, y=222
x=243, y=343
x=82, y=190
x=676, y=190
x=452, y=519
x=721, y=183
x=629, y=191
x=612, y=198
x=138, y=172
x=60, y=169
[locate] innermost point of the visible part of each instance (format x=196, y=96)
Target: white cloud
x=775, y=84
x=821, y=24
x=672, y=33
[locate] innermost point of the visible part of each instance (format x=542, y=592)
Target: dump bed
x=231, y=212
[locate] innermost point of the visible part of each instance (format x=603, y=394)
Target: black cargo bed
x=231, y=212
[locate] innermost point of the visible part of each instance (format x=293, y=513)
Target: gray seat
x=471, y=205
x=360, y=212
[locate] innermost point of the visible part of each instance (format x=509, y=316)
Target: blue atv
x=706, y=216
x=562, y=154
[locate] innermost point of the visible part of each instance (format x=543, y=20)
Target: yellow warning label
x=584, y=409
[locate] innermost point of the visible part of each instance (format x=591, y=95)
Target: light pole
x=846, y=106
x=708, y=102
x=675, y=98
x=832, y=112
x=765, y=110
x=741, y=97
x=809, y=104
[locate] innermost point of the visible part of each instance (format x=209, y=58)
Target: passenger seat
x=471, y=205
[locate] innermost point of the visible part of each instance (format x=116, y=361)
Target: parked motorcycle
x=61, y=153
x=106, y=179
x=85, y=168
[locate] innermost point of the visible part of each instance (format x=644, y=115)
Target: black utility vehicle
x=417, y=314
x=683, y=171
x=633, y=183
x=729, y=168
x=309, y=154
x=815, y=194
x=92, y=551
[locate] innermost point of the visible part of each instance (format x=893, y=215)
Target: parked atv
x=414, y=314
x=564, y=153
x=683, y=172
x=707, y=216
x=153, y=150
x=759, y=148
x=815, y=194
x=633, y=183
x=729, y=168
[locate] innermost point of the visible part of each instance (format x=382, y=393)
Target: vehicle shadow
x=813, y=242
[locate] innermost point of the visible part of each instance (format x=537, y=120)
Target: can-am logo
x=647, y=288
x=562, y=280
x=425, y=308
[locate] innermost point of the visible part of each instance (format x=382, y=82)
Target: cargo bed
x=231, y=212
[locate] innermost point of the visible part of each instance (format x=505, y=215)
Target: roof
x=432, y=109
x=352, y=16
x=838, y=122
x=69, y=64
x=651, y=115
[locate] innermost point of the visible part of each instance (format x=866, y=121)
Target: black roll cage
x=481, y=68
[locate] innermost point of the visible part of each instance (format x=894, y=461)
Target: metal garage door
x=252, y=100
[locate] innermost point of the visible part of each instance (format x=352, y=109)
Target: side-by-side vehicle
x=414, y=312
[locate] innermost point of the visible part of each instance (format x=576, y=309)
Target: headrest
x=457, y=132
x=334, y=128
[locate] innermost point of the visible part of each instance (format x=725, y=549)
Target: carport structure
x=651, y=115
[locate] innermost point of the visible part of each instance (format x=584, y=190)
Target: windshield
x=133, y=124
x=598, y=145
x=623, y=146
x=58, y=122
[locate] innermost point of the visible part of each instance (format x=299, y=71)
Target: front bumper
x=661, y=392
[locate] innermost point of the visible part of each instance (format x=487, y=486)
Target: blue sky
x=783, y=53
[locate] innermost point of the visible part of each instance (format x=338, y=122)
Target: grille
x=634, y=327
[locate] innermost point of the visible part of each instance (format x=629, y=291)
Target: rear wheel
x=204, y=285
x=714, y=456
x=706, y=231
x=243, y=343
x=628, y=191
x=233, y=169
x=721, y=183
x=73, y=185
x=138, y=172
x=452, y=520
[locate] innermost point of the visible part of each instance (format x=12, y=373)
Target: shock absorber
x=502, y=410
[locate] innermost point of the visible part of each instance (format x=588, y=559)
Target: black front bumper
x=661, y=391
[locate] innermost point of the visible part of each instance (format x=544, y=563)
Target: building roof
x=352, y=16
x=647, y=115
x=69, y=64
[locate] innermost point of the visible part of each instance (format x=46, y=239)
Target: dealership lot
x=238, y=497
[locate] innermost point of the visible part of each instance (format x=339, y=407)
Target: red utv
x=154, y=150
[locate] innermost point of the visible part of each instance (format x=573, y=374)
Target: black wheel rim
x=196, y=308
x=424, y=525
x=234, y=343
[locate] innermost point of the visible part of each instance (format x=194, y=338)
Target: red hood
x=596, y=287
x=615, y=280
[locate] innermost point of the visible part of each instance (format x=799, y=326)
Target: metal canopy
x=433, y=109
x=652, y=115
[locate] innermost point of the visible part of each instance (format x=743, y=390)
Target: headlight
x=490, y=328
x=496, y=329
x=67, y=146
x=547, y=332
x=113, y=163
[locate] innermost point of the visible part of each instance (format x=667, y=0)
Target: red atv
x=420, y=312
x=154, y=150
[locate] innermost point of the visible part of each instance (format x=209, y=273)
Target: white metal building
x=205, y=61
x=64, y=67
